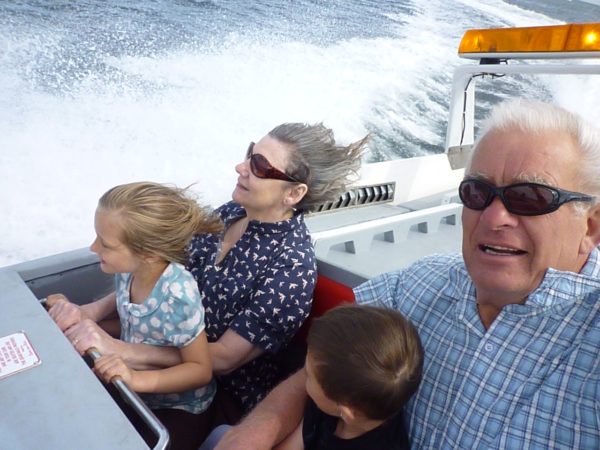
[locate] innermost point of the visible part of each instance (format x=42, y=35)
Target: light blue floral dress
x=171, y=316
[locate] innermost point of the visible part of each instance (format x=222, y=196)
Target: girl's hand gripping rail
x=139, y=406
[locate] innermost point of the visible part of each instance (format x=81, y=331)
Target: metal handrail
x=133, y=400
x=139, y=406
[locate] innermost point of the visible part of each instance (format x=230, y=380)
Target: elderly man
x=510, y=329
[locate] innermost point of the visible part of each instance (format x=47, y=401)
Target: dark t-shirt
x=318, y=429
x=262, y=290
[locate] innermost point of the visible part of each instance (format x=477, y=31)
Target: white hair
x=537, y=117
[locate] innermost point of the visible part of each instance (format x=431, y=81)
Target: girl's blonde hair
x=158, y=219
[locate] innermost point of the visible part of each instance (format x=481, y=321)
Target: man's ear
x=295, y=194
x=592, y=237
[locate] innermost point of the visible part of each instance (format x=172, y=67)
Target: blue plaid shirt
x=532, y=380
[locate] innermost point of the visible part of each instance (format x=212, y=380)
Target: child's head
x=366, y=358
x=154, y=219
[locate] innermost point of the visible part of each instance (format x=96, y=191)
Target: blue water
x=96, y=93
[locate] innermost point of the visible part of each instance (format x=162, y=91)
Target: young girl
x=143, y=230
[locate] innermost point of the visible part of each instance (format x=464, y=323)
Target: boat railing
x=356, y=238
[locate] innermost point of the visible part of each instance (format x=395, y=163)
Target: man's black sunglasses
x=523, y=199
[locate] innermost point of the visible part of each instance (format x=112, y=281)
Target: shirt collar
x=560, y=286
x=230, y=212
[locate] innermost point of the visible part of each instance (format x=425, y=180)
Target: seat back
x=328, y=294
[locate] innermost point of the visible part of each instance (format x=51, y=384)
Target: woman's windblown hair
x=315, y=159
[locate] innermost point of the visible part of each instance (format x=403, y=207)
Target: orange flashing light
x=583, y=37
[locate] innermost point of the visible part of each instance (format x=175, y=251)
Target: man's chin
x=502, y=286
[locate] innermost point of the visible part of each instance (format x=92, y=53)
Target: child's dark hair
x=158, y=219
x=366, y=357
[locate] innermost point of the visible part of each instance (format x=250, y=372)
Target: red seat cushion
x=328, y=294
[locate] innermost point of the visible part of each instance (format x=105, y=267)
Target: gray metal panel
x=59, y=404
x=379, y=253
x=383, y=256
x=340, y=218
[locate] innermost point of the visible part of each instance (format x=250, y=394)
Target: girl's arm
x=231, y=351
x=67, y=314
x=194, y=371
x=87, y=334
x=101, y=309
x=111, y=326
x=227, y=354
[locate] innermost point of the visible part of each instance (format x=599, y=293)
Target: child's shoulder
x=393, y=433
x=178, y=282
x=176, y=271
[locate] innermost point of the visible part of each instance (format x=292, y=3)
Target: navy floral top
x=262, y=290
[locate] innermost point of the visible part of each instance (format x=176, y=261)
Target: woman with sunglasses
x=257, y=278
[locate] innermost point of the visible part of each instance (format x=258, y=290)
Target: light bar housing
x=555, y=41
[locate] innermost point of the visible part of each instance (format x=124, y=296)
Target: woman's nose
x=243, y=168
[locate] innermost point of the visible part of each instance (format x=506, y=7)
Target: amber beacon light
x=581, y=38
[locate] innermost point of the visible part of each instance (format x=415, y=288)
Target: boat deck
x=58, y=404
